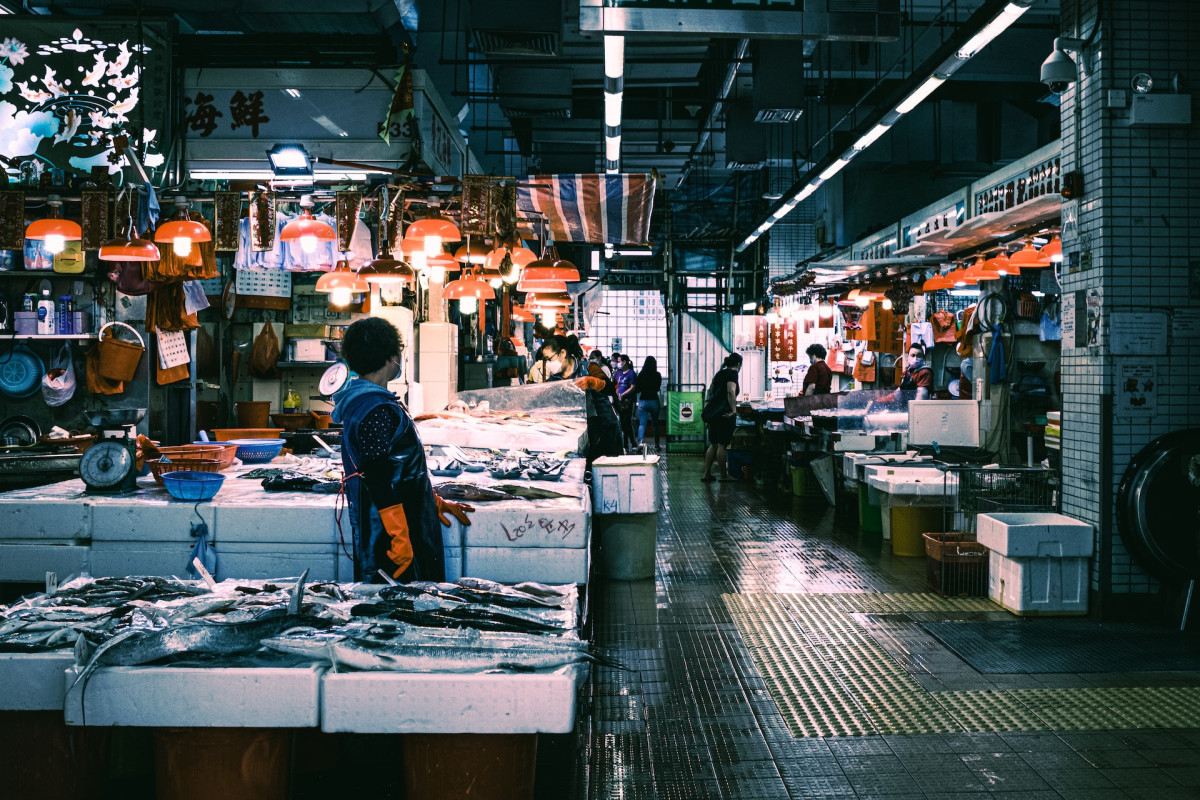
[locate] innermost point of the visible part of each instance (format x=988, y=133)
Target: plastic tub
x=257, y=451
x=227, y=452
x=909, y=526
x=252, y=413
x=626, y=543
x=193, y=486
x=159, y=468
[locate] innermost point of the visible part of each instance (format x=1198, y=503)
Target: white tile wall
x=1138, y=221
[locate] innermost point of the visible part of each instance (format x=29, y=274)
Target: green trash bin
x=870, y=507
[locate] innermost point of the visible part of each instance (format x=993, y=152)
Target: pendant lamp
x=306, y=229
x=979, y=272
x=1002, y=265
x=473, y=252
x=386, y=268
x=433, y=232
x=128, y=246
x=552, y=270
x=936, y=284
x=549, y=299
x=520, y=314
x=1026, y=258
x=341, y=284
x=181, y=230
x=54, y=230
x=468, y=292
x=1051, y=253
x=526, y=284
x=507, y=264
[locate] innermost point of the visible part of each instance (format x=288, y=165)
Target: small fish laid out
x=491, y=494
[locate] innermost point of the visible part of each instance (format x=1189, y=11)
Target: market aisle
x=694, y=717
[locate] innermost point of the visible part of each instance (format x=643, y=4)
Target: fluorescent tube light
x=749, y=306
x=990, y=31
x=834, y=168
x=870, y=137
x=614, y=56
x=612, y=148
x=927, y=88
x=612, y=109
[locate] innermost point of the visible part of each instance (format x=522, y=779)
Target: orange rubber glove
x=590, y=383
x=459, y=510
x=396, y=524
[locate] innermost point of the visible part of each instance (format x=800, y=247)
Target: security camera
x=1059, y=70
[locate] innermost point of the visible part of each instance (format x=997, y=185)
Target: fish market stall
x=533, y=522
x=547, y=417
x=238, y=665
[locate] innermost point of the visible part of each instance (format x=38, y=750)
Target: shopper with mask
x=720, y=415
x=562, y=360
x=395, y=515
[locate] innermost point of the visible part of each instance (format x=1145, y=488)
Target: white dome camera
x=1059, y=71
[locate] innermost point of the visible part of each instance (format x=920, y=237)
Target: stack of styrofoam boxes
x=39, y=533
x=144, y=534
x=627, y=500
x=437, y=363
x=452, y=548
x=1038, y=562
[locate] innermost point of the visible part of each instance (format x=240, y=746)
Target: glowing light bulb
x=512, y=277
x=340, y=296
x=826, y=310
x=308, y=244
x=496, y=283
x=437, y=274
x=418, y=261
x=887, y=304
x=182, y=246
x=55, y=243
x=433, y=245
x=549, y=319
x=468, y=304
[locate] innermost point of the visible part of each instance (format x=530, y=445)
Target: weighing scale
x=110, y=465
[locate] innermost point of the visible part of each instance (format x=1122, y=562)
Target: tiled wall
x=1138, y=236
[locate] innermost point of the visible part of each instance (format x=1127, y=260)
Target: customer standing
x=625, y=377
x=646, y=386
x=819, y=378
x=395, y=515
x=563, y=360
x=720, y=414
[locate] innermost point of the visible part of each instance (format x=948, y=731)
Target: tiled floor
x=693, y=717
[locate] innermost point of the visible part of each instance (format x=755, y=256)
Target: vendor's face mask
x=915, y=360
x=395, y=374
x=554, y=366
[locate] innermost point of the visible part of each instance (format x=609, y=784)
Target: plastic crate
x=956, y=565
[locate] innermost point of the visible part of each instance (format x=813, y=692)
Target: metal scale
x=110, y=465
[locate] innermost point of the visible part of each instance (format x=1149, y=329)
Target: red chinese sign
x=760, y=331
x=783, y=341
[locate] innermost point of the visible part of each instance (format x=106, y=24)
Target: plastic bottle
x=292, y=402
x=65, y=307
x=46, y=318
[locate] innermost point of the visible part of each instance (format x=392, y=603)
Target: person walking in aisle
x=720, y=415
x=625, y=378
x=819, y=378
x=646, y=386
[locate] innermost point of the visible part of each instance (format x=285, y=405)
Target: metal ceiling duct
x=534, y=91
x=535, y=32
x=778, y=92
x=745, y=139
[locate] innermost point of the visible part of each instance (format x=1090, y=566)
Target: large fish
x=429, y=657
x=528, y=492
x=471, y=492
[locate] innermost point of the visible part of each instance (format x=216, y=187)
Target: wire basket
x=257, y=451
x=971, y=491
x=956, y=565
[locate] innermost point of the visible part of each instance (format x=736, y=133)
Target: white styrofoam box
x=277, y=520
x=30, y=514
x=454, y=563
x=852, y=461
x=947, y=422
x=452, y=534
x=416, y=399
x=626, y=485
x=855, y=441
x=1034, y=535
x=218, y=697
x=1044, y=586
x=465, y=433
x=517, y=564
x=33, y=681
x=436, y=337
x=561, y=522
x=389, y=702
x=436, y=368
x=31, y=560
x=151, y=515
x=275, y=560
x=436, y=395
x=309, y=349
x=112, y=559
x=910, y=485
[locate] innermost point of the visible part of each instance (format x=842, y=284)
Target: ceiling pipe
x=743, y=48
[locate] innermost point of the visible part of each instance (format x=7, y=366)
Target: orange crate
x=956, y=565
x=158, y=467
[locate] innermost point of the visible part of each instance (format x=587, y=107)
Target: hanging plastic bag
x=1050, y=329
x=202, y=550
x=997, y=369
x=194, y=299
x=127, y=275
x=922, y=332
x=264, y=354
x=58, y=384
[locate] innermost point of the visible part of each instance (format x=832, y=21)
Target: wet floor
x=696, y=715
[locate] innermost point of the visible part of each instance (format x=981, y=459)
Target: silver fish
x=429, y=657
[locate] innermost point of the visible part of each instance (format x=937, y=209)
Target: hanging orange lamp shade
x=937, y=283
x=306, y=230
x=386, y=269
x=129, y=247
x=53, y=230
x=432, y=233
x=528, y=285
x=341, y=284
x=978, y=271
x=959, y=278
x=444, y=262
x=182, y=231
x=1002, y=265
x=468, y=287
x=520, y=314
x=558, y=270
x=549, y=299
x=473, y=252
x=1051, y=253
x=1026, y=258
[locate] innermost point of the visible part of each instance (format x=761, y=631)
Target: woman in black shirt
x=646, y=387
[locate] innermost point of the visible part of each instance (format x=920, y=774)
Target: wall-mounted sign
x=783, y=341
x=630, y=278
x=1137, y=333
x=67, y=87
x=1136, y=387
x=1039, y=180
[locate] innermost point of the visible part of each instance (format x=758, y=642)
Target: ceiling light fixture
x=1051, y=253
x=341, y=284
x=307, y=230
x=54, y=230
x=182, y=231
x=1025, y=258
x=128, y=246
x=290, y=160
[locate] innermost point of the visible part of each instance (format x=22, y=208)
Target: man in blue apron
x=394, y=512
